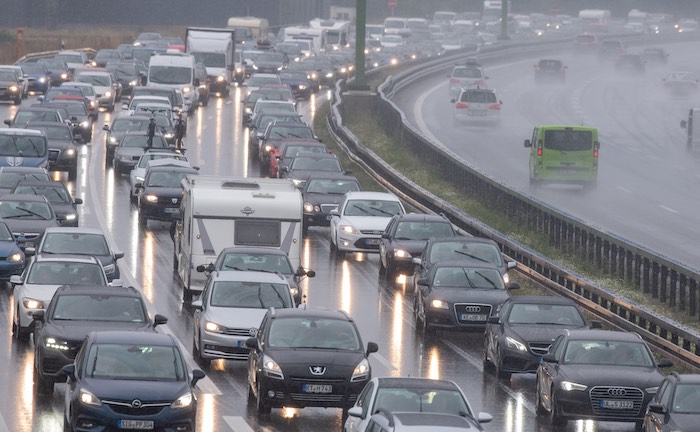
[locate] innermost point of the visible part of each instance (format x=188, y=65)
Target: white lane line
x=668, y=209
x=206, y=385
x=478, y=364
x=3, y=425
x=237, y=424
x=624, y=189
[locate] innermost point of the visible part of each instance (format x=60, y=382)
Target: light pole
x=504, y=21
x=360, y=21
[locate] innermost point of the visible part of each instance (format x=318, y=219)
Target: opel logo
x=472, y=308
x=253, y=332
x=317, y=370
x=136, y=403
x=617, y=392
x=247, y=211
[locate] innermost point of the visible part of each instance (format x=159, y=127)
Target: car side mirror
x=513, y=286
x=453, y=100
x=334, y=212
x=197, y=304
x=657, y=408
x=386, y=236
x=8, y=122
x=69, y=371
x=484, y=417
x=253, y=344
x=493, y=320
x=549, y=358
x=371, y=348
x=125, y=106
x=595, y=324
x=38, y=315
x=116, y=283
x=665, y=363
x=159, y=319
x=415, y=261
x=78, y=201
x=422, y=281
x=511, y=264
x=78, y=138
x=355, y=411
x=16, y=280
x=105, y=127
x=528, y=144
x=138, y=185
x=197, y=375
x=118, y=255
x=41, y=98
x=684, y=124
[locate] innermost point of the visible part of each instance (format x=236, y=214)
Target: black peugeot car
x=321, y=194
x=160, y=193
x=307, y=358
x=599, y=375
x=130, y=380
x=74, y=311
x=676, y=406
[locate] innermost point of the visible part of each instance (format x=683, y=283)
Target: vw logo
x=317, y=370
x=472, y=308
x=14, y=160
x=617, y=392
x=247, y=211
x=136, y=403
x=174, y=200
x=253, y=332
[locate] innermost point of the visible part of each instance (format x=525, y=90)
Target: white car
x=136, y=101
x=477, y=105
x=391, y=40
x=41, y=278
x=230, y=310
x=153, y=158
x=360, y=219
x=104, y=86
x=465, y=77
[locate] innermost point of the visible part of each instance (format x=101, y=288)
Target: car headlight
x=255, y=67
x=56, y=344
x=110, y=268
x=84, y=124
x=220, y=78
x=271, y=368
x=30, y=303
x=16, y=257
x=42, y=80
x=124, y=157
x=515, y=344
x=651, y=390
x=400, y=253
x=89, y=399
x=64, y=76
x=249, y=110
x=343, y=70
x=140, y=179
x=13, y=88
x=92, y=104
x=361, y=371
x=279, y=68
x=107, y=94
x=439, y=304
x=506, y=278
x=570, y=386
x=310, y=208
x=348, y=229
x=213, y=327
x=183, y=401
x=168, y=135
x=375, y=64
x=186, y=89
x=151, y=198
x=394, y=61
x=239, y=70
x=298, y=182
x=302, y=87
x=133, y=83
x=112, y=140
x=294, y=291
x=268, y=147
x=314, y=76
x=329, y=75
x=71, y=216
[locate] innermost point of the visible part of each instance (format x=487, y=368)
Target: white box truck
x=220, y=212
x=214, y=48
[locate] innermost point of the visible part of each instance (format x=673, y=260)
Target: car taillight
x=595, y=153
x=562, y=69
x=479, y=82
x=462, y=105
x=454, y=81
x=537, y=68
x=539, y=151
x=495, y=106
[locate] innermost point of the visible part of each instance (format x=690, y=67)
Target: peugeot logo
x=174, y=200
x=136, y=403
x=247, y=211
x=617, y=392
x=317, y=370
x=253, y=332
x=472, y=308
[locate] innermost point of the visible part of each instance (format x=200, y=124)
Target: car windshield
x=34, y=68
x=422, y=230
x=74, y=108
x=331, y=186
x=455, y=250
x=24, y=117
x=314, y=333
x=66, y=273
x=256, y=295
x=422, y=399
x=270, y=58
x=142, y=141
x=545, y=314
x=143, y=162
x=294, y=76
x=165, y=179
x=6, y=75
x=83, y=90
x=170, y=75
x=210, y=59
x=291, y=132
x=273, y=263
x=85, y=307
x=291, y=151
x=96, y=80
x=329, y=164
x=612, y=353
x=568, y=140
x=372, y=208
x=123, y=125
x=5, y=233
x=55, y=194
x=686, y=399
x=266, y=120
x=280, y=94
x=264, y=104
x=135, y=362
x=468, y=278
x=467, y=73
x=258, y=81
x=10, y=179
x=123, y=69
x=75, y=243
x=57, y=133
x=34, y=210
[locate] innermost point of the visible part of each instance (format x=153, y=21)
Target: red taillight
x=562, y=69
x=539, y=152
x=454, y=81
x=495, y=106
x=462, y=105
x=595, y=153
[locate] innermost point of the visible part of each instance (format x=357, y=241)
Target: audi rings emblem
x=617, y=392
x=472, y=308
x=136, y=403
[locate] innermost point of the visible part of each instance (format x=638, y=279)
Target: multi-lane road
x=635, y=137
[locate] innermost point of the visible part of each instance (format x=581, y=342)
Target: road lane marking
x=668, y=209
x=624, y=189
x=237, y=424
x=205, y=384
x=479, y=365
x=3, y=425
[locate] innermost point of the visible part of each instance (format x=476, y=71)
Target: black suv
x=405, y=237
x=307, y=358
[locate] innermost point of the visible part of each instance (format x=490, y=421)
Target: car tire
x=18, y=100
x=555, y=418
x=42, y=386
x=18, y=333
x=340, y=254
x=261, y=407
x=66, y=425
x=539, y=408
x=304, y=230
x=197, y=355
x=420, y=322
x=390, y=273
x=117, y=167
x=488, y=365
x=498, y=363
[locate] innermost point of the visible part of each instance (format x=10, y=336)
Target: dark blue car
x=11, y=256
x=38, y=77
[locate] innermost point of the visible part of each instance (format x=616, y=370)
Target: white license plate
x=170, y=210
x=617, y=404
x=470, y=317
x=317, y=388
x=477, y=113
x=136, y=424
x=373, y=242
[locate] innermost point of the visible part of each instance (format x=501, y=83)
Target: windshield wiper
x=362, y=209
x=278, y=296
x=262, y=305
x=381, y=211
x=29, y=212
x=471, y=256
x=492, y=283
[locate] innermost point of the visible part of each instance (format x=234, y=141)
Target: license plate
x=136, y=424
x=317, y=388
x=240, y=344
x=170, y=210
x=29, y=244
x=617, y=404
x=373, y=242
x=477, y=113
x=470, y=317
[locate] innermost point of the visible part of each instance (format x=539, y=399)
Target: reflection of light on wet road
x=207, y=412
x=288, y=412
x=584, y=425
x=148, y=264
x=345, y=289
x=396, y=353
x=109, y=200
x=514, y=414
x=25, y=414
x=434, y=364
x=217, y=140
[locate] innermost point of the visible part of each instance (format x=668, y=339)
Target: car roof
x=421, y=217
x=73, y=230
x=306, y=312
x=247, y=276
x=416, y=383
x=87, y=259
x=385, y=196
x=252, y=250
x=171, y=168
x=603, y=335
x=330, y=176
x=46, y=124
x=131, y=337
x=122, y=291
x=553, y=300
x=23, y=197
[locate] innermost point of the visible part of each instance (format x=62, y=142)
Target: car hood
x=39, y=292
x=538, y=333
x=145, y=391
x=29, y=226
x=63, y=209
x=367, y=223
x=300, y=359
x=305, y=174
x=235, y=317
x=76, y=331
x=414, y=247
x=163, y=192
x=319, y=198
x=8, y=248
x=59, y=144
x=130, y=151
x=611, y=375
x=494, y=297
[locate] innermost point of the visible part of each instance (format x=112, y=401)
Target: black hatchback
x=307, y=358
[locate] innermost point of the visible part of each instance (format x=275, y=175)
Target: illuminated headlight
x=268, y=147
x=239, y=70
x=307, y=54
x=16, y=257
x=515, y=344
x=93, y=63
x=571, y=386
x=84, y=124
x=279, y=68
x=439, y=304
x=13, y=88
x=506, y=278
x=255, y=67
x=151, y=198
x=651, y=390
x=343, y=70
x=314, y=76
x=186, y=89
x=329, y=75
x=294, y=291
x=32, y=304
x=140, y=179
x=169, y=135
x=57, y=344
x=394, y=61
x=89, y=399
x=400, y=253
x=271, y=367
x=108, y=94
x=110, y=268
x=249, y=110
x=183, y=401
x=42, y=80
x=366, y=51
x=70, y=217
x=413, y=56
x=302, y=87
x=351, y=68
x=133, y=83
x=213, y=327
x=361, y=371
x=220, y=78
x=112, y=140
x=64, y=76
x=92, y=104
x=349, y=229
x=296, y=59
x=375, y=64
x=310, y=208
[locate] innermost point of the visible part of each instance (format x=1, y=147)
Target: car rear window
x=568, y=140
x=479, y=97
x=467, y=73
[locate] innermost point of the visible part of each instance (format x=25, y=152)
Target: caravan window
x=258, y=233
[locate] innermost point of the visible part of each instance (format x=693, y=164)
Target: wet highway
x=382, y=309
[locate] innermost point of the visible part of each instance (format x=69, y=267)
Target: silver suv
x=464, y=77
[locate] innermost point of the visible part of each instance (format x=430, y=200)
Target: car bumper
x=317, y=219
x=577, y=405
x=291, y=394
x=478, y=116
x=358, y=243
x=519, y=361
x=158, y=211
x=8, y=95
x=50, y=362
x=62, y=160
x=38, y=87
x=127, y=164
x=8, y=269
x=218, y=86
x=26, y=320
x=446, y=319
x=105, y=101
x=218, y=346
x=107, y=419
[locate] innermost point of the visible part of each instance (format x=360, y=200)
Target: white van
x=175, y=70
x=394, y=25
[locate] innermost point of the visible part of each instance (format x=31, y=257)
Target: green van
x=563, y=154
